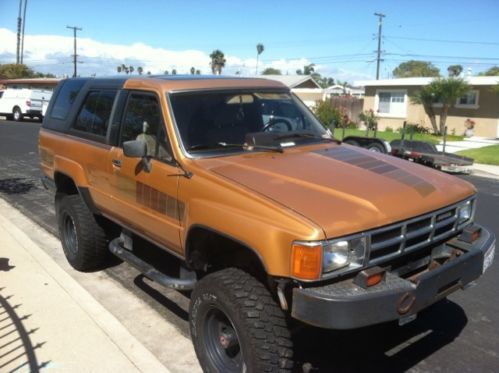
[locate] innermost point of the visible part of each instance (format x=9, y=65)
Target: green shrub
x=327, y=113
x=416, y=128
x=369, y=118
x=388, y=129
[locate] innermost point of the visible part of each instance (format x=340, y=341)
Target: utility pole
x=22, y=34
x=75, y=56
x=380, y=25
x=19, y=23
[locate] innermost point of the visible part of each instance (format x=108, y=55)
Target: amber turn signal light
x=369, y=277
x=306, y=261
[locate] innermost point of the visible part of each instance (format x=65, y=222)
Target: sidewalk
x=47, y=320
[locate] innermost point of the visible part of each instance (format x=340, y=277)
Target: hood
x=341, y=188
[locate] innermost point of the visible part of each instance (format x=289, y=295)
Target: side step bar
x=115, y=246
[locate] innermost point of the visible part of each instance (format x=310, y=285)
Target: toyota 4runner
x=269, y=216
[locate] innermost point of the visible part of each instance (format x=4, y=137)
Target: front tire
x=83, y=240
x=236, y=326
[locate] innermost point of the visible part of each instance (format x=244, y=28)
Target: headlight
x=464, y=212
x=343, y=253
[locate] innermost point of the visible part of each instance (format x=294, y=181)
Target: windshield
x=211, y=123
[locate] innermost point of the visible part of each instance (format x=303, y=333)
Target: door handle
x=116, y=162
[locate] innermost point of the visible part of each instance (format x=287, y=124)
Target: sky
x=339, y=37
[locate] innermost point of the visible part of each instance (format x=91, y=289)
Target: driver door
x=147, y=202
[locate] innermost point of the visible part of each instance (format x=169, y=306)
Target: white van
x=23, y=102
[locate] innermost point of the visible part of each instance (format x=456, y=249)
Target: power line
x=437, y=56
x=444, y=40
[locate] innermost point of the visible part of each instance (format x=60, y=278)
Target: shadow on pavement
x=17, y=352
x=381, y=348
x=16, y=185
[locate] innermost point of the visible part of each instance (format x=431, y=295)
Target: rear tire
x=378, y=148
x=17, y=115
x=236, y=326
x=83, y=240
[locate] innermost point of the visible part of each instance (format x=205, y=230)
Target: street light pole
x=74, y=28
x=380, y=25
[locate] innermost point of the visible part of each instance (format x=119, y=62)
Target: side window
x=95, y=112
x=66, y=97
x=142, y=121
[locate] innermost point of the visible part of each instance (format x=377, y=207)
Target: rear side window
x=94, y=114
x=66, y=98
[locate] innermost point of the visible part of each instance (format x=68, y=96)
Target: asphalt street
x=459, y=334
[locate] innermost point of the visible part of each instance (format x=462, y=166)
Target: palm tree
x=427, y=98
x=124, y=68
x=217, y=61
x=444, y=91
x=193, y=70
x=174, y=71
x=259, y=49
x=131, y=69
x=448, y=92
x=140, y=70
x=198, y=72
x=119, y=69
x=166, y=72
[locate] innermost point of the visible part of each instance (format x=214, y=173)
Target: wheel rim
x=70, y=237
x=17, y=115
x=222, y=343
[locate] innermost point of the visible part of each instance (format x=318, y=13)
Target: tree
x=259, y=49
x=15, y=71
x=118, y=68
x=493, y=71
x=193, y=70
x=444, y=91
x=166, y=72
x=455, y=70
x=124, y=68
x=131, y=69
x=307, y=69
x=271, y=71
x=174, y=71
x=415, y=68
x=217, y=61
x=427, y=98
x=198, y=72
x=448, y=92
x=140, y=70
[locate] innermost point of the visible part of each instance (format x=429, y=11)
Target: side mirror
x=138, y=149
x=135, y=149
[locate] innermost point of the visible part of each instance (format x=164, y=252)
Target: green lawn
x=389, y=136
x=485, y=155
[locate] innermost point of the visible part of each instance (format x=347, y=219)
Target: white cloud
x=53, y=54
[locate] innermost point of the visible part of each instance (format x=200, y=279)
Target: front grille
x=413, y=234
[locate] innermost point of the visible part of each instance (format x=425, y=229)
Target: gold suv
x=266, y=215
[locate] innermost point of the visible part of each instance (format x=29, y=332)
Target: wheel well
x=65, y=184
x=209, y=251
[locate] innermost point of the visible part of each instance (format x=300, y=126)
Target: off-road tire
x=83, y=240
x=261, y=332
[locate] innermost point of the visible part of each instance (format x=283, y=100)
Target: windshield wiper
x=225, y=145
x=308, y=136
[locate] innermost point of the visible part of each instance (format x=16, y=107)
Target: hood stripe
x=377, y=166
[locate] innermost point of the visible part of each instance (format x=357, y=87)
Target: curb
x=130, y=347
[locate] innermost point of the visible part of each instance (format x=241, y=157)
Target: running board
x=115, y=246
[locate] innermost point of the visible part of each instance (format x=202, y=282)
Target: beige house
x=390, y=100
x=304, y=86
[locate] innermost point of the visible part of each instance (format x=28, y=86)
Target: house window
x=469, y=100
x=391, y=103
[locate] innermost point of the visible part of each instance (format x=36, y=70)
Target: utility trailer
x=427, y=154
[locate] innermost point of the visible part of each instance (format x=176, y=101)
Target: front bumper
x=344, y=305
